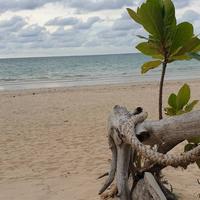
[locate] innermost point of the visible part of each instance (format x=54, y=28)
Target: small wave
x=9, y=79
x=74, y=76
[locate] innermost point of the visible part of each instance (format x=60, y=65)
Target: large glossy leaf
x=147, y=48
x=169, y=22
x=150, y=65
x=181, y=57
x=197, y=49
x=183, y=96
x=133, y=15
x=190, y=46
x=172, y=101
x=150, y=15
x=191, y=105
x=169, y=13
x=184, y=32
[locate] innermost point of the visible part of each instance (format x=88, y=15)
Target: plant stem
x=161, y=88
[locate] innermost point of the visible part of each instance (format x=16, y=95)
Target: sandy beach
x=49, y=149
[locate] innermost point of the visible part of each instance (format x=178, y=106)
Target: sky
x=76, y=27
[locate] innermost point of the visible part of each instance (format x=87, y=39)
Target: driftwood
x=148, y=188
x=130, y=129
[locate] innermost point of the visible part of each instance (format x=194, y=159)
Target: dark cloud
x=93, y=5
x=88, y=5
x=32, y=31
x=79, y=5
x=58, y=21
x=74, y=22
x=22, y=4
x=13, y=24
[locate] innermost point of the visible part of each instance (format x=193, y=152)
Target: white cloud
x=88, y=24
x=47, y=27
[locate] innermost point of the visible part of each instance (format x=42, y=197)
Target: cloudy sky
x=75, y=27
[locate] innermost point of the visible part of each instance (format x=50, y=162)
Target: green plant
x=179, y=103
x=167, y=40
x=194, y=142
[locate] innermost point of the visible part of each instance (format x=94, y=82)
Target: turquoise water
x=26, y=73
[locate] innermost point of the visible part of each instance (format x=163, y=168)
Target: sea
x=52, y=72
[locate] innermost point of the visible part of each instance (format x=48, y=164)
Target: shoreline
x=75, y=87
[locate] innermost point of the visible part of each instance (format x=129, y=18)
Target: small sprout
x=178, y=105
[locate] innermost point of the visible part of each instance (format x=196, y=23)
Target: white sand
x=48, y=144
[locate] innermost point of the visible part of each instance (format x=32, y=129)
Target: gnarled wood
x=166, y=134
x=169, y=132
x=163, y=132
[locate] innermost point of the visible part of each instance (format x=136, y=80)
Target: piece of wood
x=169, y=132
x=165, y=134
x=148, y=189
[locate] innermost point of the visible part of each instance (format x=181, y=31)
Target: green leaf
x=194, y=55
x=150, y=15
x=170, y=111
x=183, y=96
x=148, y=49
x=184, y=32
x=150, y=65
x=190, y=46
x=169, y=22
x=169, y=15
x=197, y=49
x=180, y=112
x=195, y=140
x=190, y=106
x=181, y=57
x=189, y=147
x=172, y=100
x=133, y=15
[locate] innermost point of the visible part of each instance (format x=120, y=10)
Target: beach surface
x=53, y=142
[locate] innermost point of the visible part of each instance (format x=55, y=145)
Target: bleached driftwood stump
x=130, y=136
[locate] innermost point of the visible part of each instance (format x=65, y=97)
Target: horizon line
x=58, y=56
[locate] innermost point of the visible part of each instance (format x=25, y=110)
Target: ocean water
x=28, y=73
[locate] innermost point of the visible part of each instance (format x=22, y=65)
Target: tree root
x=111, y=174
x=111, y=193
x=103, y=175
